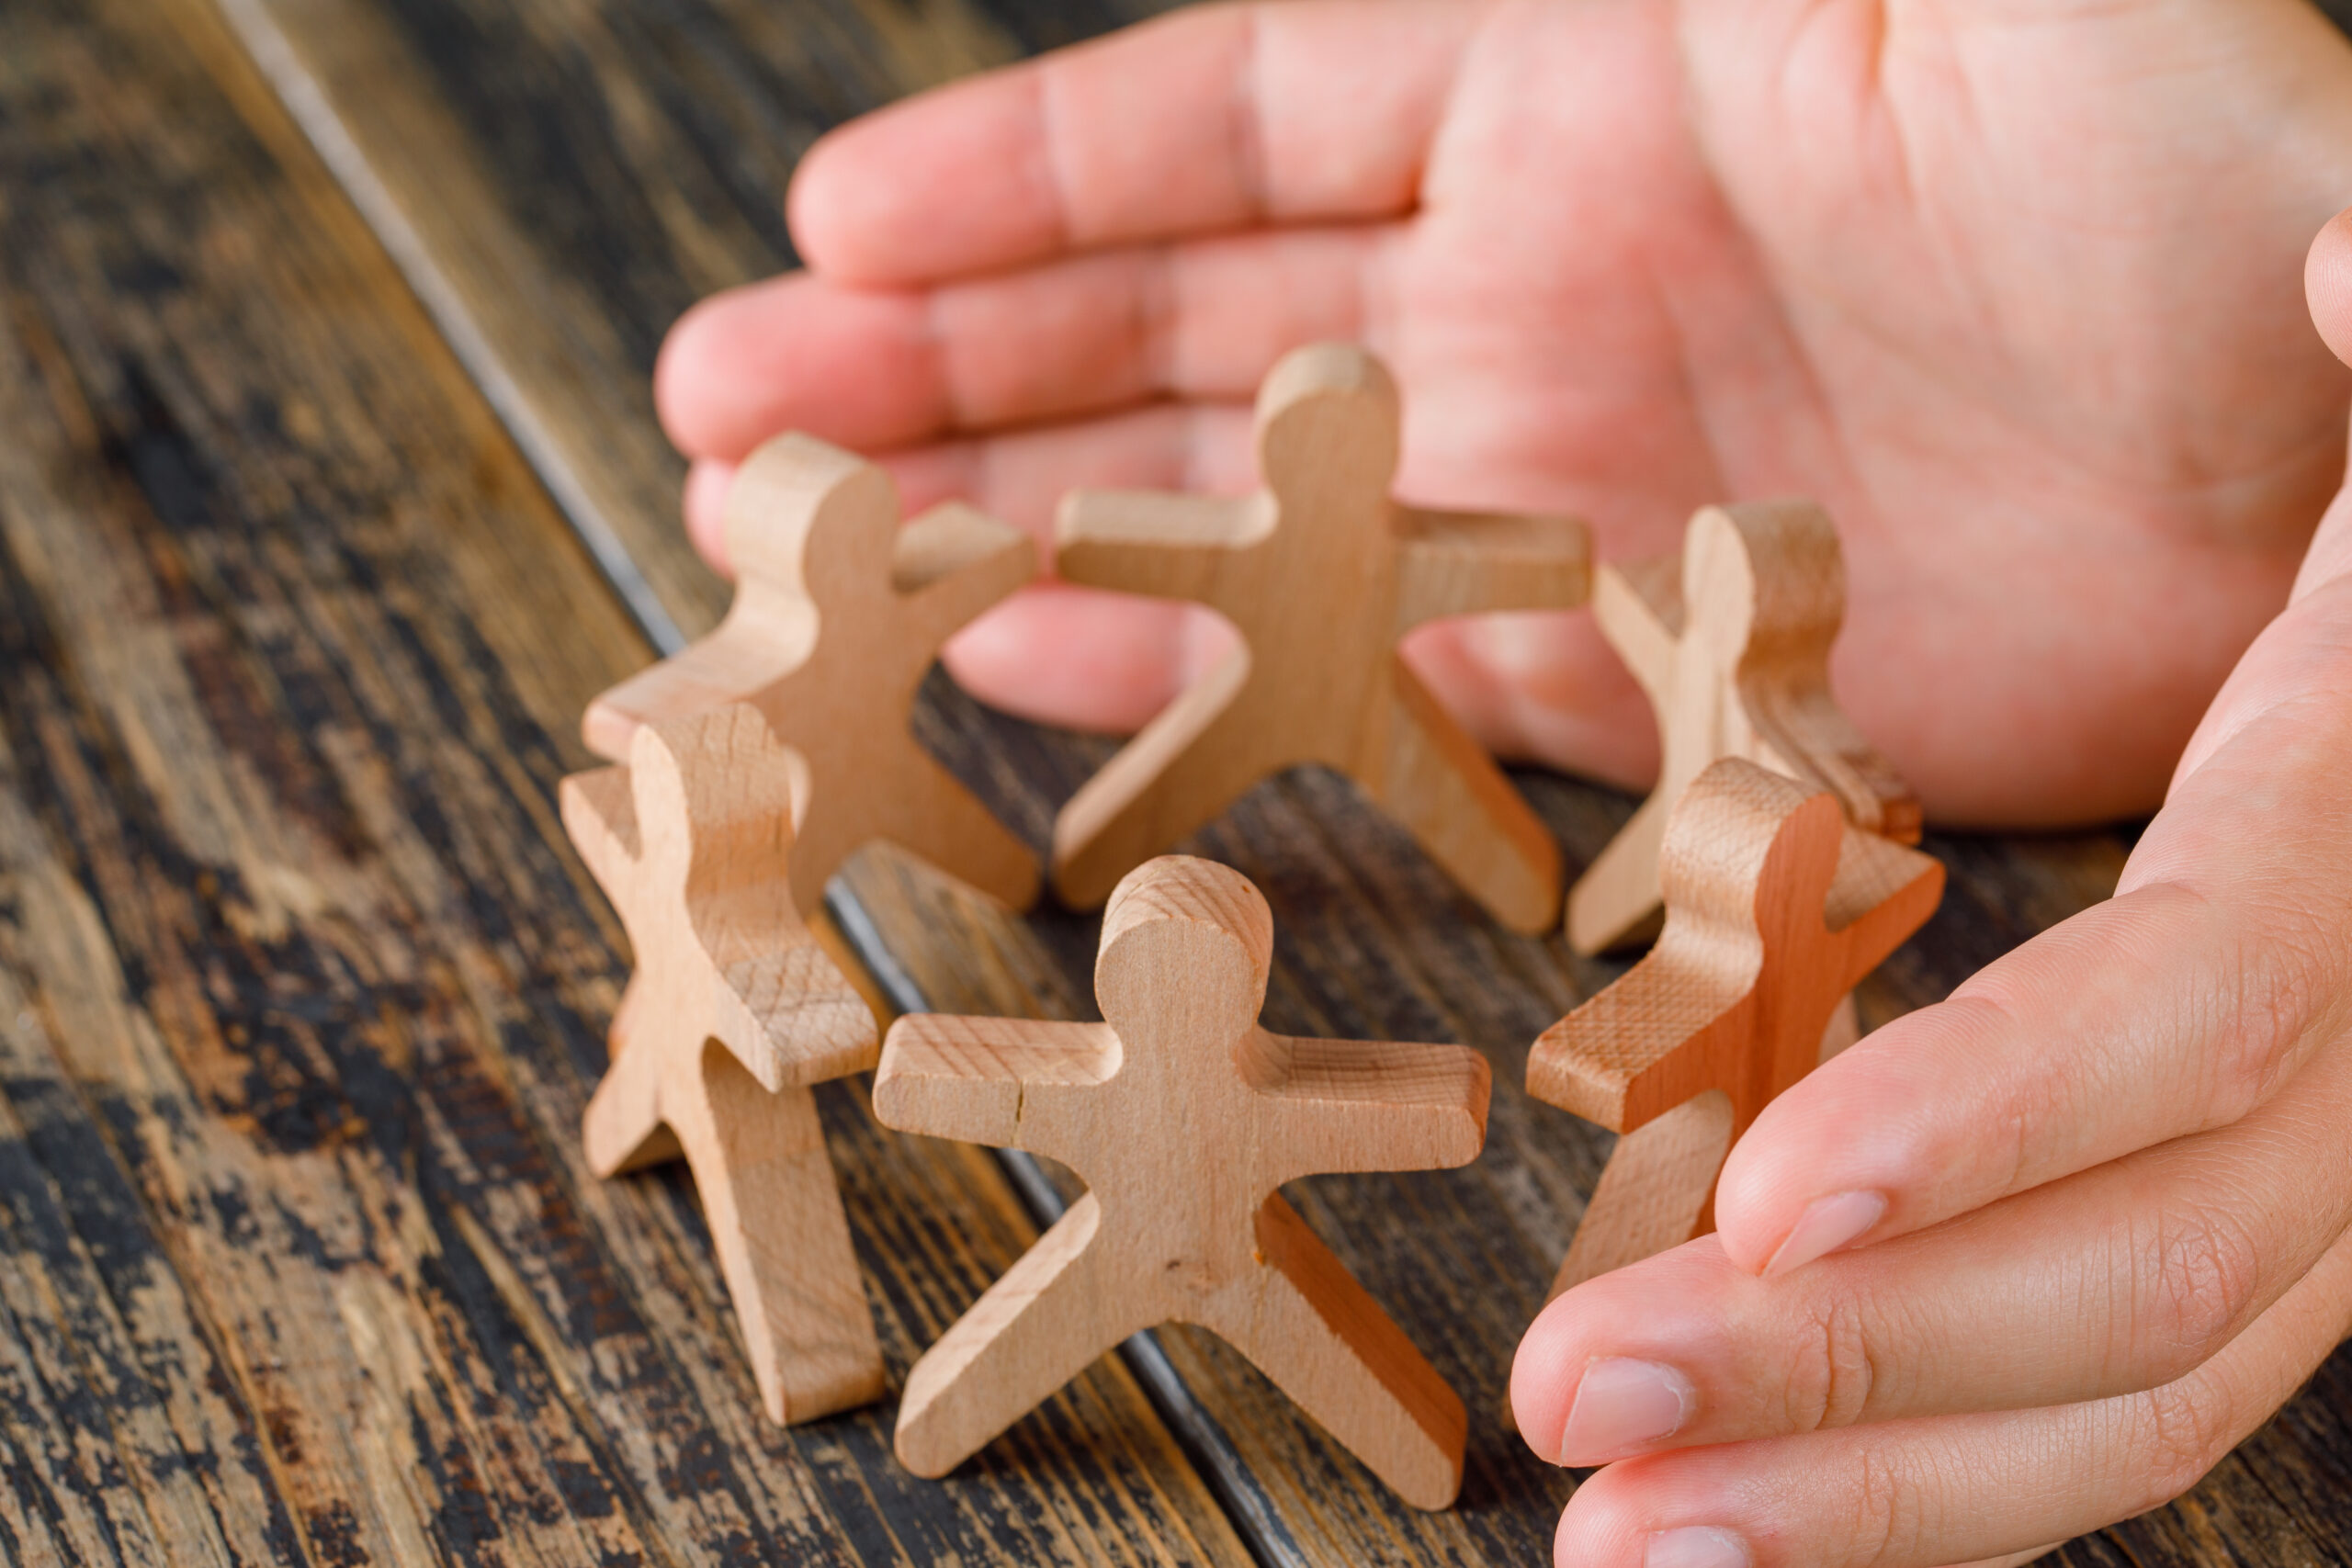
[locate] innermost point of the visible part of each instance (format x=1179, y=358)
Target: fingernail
x=1827, y=1224
x=1621, y=1404
x=1696, y=1546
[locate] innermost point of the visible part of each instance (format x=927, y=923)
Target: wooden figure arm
x=1647, y=1043
x=600, y=817
x=1639, y=607
x=1171, y=546
x=954, y=561
x=1346, y=1105
x=767, y=636
x=1012, y=1083
x=781, y=1006
x=1882, y=893
x=1811, y=740
x=1466, y=564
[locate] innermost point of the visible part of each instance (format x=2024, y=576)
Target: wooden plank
x=519, y=234
x=560, y=180
x=302, y=989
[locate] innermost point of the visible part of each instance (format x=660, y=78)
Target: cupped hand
x=2010, y=285
x=2033, y=1259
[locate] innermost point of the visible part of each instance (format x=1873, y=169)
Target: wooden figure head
x=1186, y=948
x=1328, y=431
x=812, y=526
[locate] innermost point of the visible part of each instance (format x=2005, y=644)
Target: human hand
x=2010, y=286
x=2035, y=1258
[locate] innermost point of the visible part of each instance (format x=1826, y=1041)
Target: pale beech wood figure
x=1775, y=907
x=838, y=613
x=1322, y=573
x=1731, y=641
x=731, y=1013
x=1183, y=1117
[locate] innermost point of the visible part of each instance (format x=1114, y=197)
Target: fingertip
x=683, y=372
x=1820, y=1171
x=2328, y=284
x=853, y=366
x=1543, y=1380
x=952, y=181
x=705, y=504
x=1604, y=1524
x=1074, y=657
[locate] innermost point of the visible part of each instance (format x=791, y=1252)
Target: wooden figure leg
x=1038, y=1326
x=1845, y=1029
x=955, y=832
x=1654, y=1192
x=1173, y=778
x=1304, y=1321
x=623, y=1130
x=1616, y=903
x=775, y=1217
x=1445, y=790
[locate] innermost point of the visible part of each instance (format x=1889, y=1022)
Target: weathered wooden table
x=329, y=491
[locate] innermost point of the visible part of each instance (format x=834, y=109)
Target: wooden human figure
x=1322, y=573
x=1731, y=640
x=1776, y=907
x=1184, y=1117
x=731, y=1013
x=839, y=613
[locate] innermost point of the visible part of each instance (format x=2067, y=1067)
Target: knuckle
x=2196, y=1281
x=1886, y=1523
x=2283, y=981
x=2185, y=1427
x=1833, y=1376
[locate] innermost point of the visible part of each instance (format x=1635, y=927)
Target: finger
x=1020, y=475
x=705, y=505
x=1953, y=1488
x=1085, y=660
x=2328, y=284
x=1076, y=658
x=2177, y=1006
x=1216, y=119
x=2187, y=998
x=871, y=368
x=2121, y=1279
x=1539, y=687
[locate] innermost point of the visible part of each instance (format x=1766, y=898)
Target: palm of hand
x=2016, y=294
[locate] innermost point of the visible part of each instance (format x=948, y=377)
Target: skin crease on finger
x=2254, y=846
x=2011, y=290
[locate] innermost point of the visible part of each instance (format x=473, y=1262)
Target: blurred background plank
x=301, y=990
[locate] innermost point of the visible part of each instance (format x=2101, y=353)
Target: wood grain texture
x=1321, y=574
x=559, y=179
x=1183, y=1116
x=301, y=989
x=839, y=613
x=1776, y=907
x=1730, y=640
x=732, y=1015
x=528, y=155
